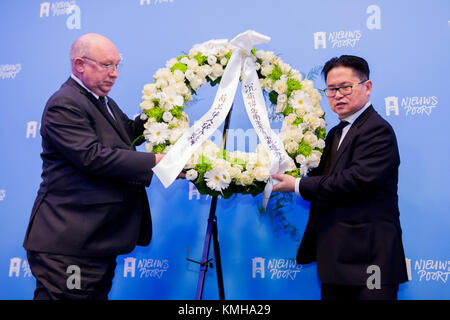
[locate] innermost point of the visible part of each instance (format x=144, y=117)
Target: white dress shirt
x=350, y=119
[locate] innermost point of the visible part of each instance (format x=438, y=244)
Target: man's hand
x=286, y=184
x=158, y=157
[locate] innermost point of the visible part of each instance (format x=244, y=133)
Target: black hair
x=358, y=64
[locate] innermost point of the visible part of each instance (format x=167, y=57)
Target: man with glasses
x=91, y=205
x=353, y=230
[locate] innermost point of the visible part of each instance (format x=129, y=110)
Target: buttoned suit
x=354, y=216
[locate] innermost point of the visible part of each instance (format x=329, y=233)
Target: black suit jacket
x=354, y=216
x=92, y=199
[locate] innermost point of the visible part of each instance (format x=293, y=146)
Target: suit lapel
x=114, y=108
x=117, y=125
x=351, y=134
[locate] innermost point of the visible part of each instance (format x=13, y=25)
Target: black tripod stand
x=212, y=231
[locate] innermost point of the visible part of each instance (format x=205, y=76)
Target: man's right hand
x=158, y=157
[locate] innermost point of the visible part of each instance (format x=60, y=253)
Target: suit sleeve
x=71, y=132
x=372, y=166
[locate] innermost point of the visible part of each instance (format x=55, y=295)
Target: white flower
x=149, y=89
x=185, y=60
x=178, y=75
x=320, y=144
x=167, y=116
x=171, y=62
x=292, y=147
x=189, y=74
x=245, y=178
x=280, y=86
x=191, y=175
x=216, y=71
x=312, y=120
x=196, y=82
x=261, y=173
x=163, y=73
x=266, y=69
x=301, y=159
x=209, y=149
x=212, y=60
x=224, y=61
x=235, y=171
x=300, y=100
x=217, y=179
x=147, y=105
x=311, y=139
x=157, y=133
x=174, y=99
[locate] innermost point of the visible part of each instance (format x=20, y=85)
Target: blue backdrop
x=407, y=45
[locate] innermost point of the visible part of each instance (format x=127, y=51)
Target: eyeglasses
x=345, y=90
x=109, y=66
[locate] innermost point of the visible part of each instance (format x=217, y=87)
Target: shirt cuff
x=297, y=186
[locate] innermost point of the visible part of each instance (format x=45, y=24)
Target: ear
x=78, y=64
x=368, y=85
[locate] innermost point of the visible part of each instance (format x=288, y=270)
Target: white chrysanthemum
x=280, y=86
x=300, y=100
x=191, y=175
x=217, y=179
x=174, y=99
x=157, y=133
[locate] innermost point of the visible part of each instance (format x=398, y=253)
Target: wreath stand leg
x=213, y=231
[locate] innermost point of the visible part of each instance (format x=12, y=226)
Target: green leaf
x=203, y=164
x=273, y=96
x=179, y=66
x=276, y=73
x=176, y=111
x=200, y=59
x=304, y=149
x=156, y=113
x=297, y=121
x=160, y=147
x=182, y=56
x=292, y=84
x=288, y=110
x=214, y=82
x=320, y=133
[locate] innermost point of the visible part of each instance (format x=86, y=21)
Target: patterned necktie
x=105, y=104
x=334, y=146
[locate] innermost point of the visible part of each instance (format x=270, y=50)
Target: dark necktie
x=105, y=104
x=334, y=146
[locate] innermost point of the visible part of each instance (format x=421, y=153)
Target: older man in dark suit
x=91, y=205
x=353, y=231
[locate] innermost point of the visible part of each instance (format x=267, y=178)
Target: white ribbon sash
x=240, y=64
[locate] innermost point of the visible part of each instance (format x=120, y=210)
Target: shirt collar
x=354, y=116
x=74, y=77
